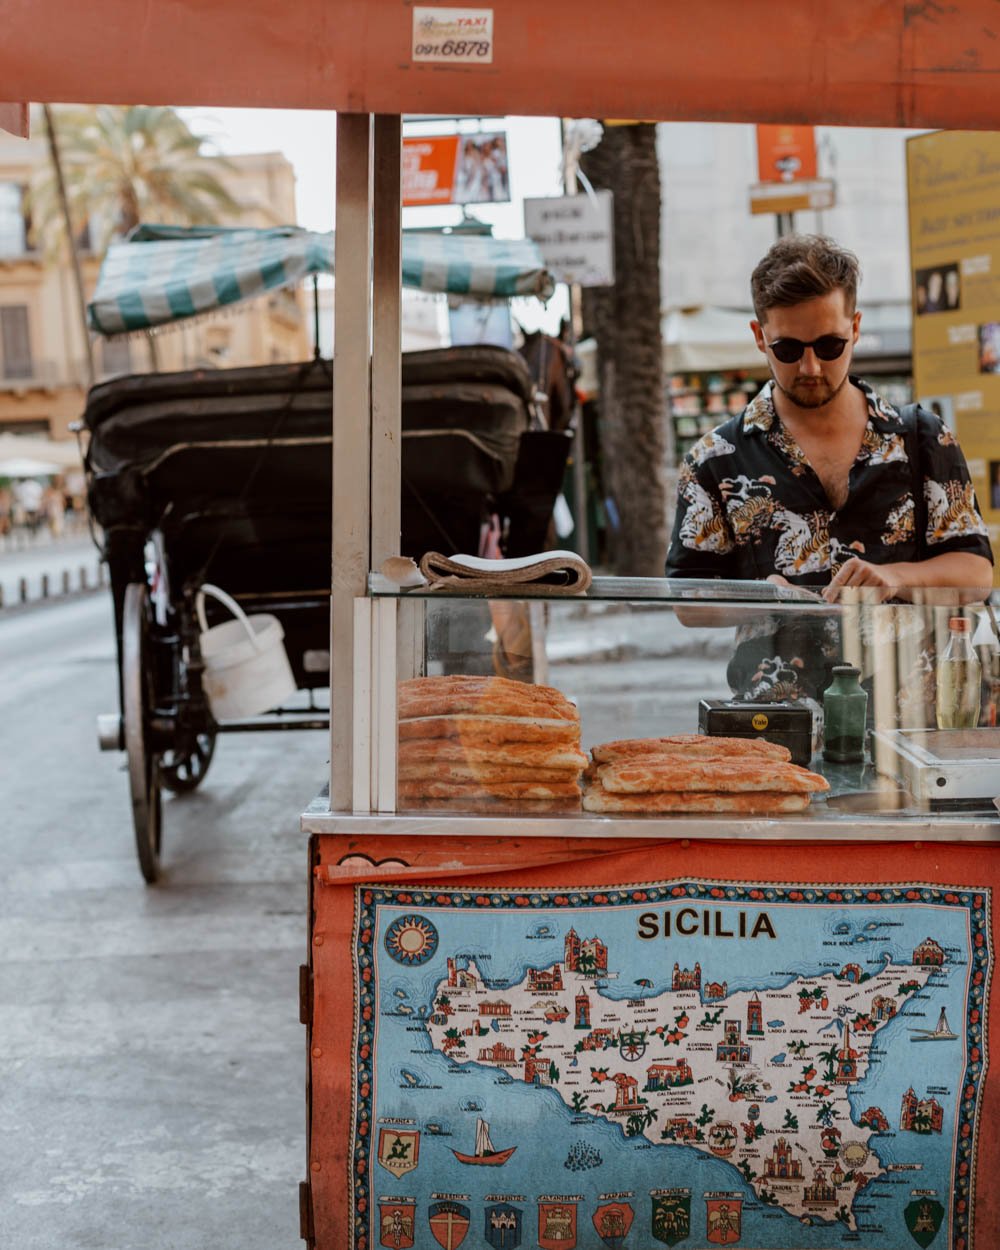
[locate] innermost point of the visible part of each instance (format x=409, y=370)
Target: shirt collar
x=760, y=413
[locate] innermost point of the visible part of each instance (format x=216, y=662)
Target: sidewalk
x=75, y=557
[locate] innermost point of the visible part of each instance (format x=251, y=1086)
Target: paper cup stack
x=482, y=741
x=697, y=773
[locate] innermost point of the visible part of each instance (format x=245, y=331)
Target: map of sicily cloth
x=682, y=1062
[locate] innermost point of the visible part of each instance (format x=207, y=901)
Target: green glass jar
x=844, y=708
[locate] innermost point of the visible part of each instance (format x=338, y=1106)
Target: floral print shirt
x=750, y=504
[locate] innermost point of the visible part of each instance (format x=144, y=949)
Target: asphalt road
x=151, y=1060
x=152, y=1070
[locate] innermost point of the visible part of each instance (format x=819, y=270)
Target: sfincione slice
x=482, y=774
x=753, y=803
x=704, y=745
x=649, y=774
x=495, y=696
x=520, y=754
x=484, y=731
x=500, y=790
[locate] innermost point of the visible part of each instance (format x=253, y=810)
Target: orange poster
x=786, y=153
x=455, y=169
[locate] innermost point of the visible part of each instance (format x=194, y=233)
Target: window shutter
x=15, y=341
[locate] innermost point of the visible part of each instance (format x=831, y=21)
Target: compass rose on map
x=411, y=940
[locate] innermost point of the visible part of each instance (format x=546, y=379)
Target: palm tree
x=829, y=1057
x=123, y=165
x=112, y=167
x=625, y=320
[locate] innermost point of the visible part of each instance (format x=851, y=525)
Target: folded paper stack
x=694, y=773
x=480, y=740
x=548, y=572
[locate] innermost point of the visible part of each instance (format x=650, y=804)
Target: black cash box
x=789, y=724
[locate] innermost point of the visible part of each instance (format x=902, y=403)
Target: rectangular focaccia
x=482, y=774
x=690, y=744
x=484, y=731
x=520, y=754
x=759, y=802
x=647, y=774
x=495, y=696
x=468, y=805
x=476, y=790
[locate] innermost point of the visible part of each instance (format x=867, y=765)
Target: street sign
x=575, y=235
x=792, y=197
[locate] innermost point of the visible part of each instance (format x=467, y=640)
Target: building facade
x=43, y=371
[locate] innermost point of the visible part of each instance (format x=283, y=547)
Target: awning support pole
x=351, y=434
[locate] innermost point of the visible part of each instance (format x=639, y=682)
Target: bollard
x=22, y=588
x=83, y=577
x=45, y=585
x=65, y=581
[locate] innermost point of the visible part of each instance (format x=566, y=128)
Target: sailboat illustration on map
x=485, y=1153
x=942, y=1033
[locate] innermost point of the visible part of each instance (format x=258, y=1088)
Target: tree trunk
x=625, y=320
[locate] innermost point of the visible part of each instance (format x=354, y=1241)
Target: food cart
x=735, y=1063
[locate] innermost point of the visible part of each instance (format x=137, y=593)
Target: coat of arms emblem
x=557, y=1225
x=396, y=1224
x=612, y=1221
x=671, y=1218
x=398, y=1149
x=503, y=1226
x=449, y=1223
x=724, y=1220
x=923, y=1218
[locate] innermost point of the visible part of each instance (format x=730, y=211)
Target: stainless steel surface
x=750, y=595
x=953, y=765
x=351, y=432
x=584, y=826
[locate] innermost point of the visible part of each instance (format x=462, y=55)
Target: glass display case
x=653, y=703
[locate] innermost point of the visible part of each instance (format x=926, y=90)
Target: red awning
x=858, y=62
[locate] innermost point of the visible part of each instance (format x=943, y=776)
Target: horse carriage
x=222, y=479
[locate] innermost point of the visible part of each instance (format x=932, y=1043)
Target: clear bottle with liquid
x=958, y=678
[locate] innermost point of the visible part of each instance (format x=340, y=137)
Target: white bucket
x=246, y=668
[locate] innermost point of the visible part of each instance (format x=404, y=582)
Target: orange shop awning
x=859, y=62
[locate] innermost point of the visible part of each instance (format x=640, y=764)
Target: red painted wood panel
x=859, y=62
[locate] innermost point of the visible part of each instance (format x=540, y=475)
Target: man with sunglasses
x=820, y=482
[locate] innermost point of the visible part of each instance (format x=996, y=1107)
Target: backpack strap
x=912, y=439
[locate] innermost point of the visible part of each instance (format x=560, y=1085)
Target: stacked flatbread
x=480, y=741
x=697, y=773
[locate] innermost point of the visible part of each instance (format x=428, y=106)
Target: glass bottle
x=958, y=678
x=844, y=708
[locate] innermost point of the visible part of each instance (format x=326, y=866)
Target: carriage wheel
x=138, y=705
x=632, y=1050
x=184, y=771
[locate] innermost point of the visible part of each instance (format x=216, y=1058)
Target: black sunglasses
x=826, y=347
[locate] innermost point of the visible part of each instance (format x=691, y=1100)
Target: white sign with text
x=575, y=235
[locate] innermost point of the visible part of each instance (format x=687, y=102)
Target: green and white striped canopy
x=164, y=274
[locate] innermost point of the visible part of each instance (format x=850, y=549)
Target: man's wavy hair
x=800, y=267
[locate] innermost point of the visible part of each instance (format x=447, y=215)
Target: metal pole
x=351, y=520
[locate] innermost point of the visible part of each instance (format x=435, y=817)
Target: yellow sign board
x=953, y=180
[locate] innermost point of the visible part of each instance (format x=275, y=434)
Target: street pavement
x=152, y=1074
x=151, y=1061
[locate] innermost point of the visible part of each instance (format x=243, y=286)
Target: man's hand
x=879, y=581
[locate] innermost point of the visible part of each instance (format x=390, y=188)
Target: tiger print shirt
x=750, y=504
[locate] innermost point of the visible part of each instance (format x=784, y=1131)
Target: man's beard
x=814, y=396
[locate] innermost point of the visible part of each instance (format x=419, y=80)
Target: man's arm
x=954, y=578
